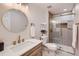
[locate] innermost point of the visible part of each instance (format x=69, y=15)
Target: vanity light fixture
x=49, y=6
x=23, y=4
x=19, y=4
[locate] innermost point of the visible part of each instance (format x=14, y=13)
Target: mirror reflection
x=14, y=20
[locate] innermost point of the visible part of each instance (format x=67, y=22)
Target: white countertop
x=21, y=48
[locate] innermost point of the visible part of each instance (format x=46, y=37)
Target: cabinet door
x=37, y=52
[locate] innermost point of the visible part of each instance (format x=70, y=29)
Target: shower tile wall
x=55, y=34
x=56, y=37
x=67, y=36
x=64, y=38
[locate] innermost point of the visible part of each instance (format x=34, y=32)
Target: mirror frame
x=15, y=10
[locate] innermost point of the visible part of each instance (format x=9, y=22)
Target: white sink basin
x=22, y=46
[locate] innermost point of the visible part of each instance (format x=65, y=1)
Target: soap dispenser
x=1, y=45
x=19, y=40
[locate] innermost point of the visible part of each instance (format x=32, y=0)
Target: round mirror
x=14, y=20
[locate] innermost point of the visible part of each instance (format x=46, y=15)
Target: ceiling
x=54, y=8
x=58, y=8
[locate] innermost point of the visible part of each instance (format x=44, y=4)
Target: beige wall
x=76, y=10
x=38, y=15
x=9, y=37
x=35, y=14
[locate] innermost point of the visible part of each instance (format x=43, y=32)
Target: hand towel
x=33, y=31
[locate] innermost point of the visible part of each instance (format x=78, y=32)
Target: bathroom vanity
x=36, y=51
x=31, y=47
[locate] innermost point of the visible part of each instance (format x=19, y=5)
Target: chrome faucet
x=19, y=40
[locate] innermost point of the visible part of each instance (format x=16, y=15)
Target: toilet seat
x=51, y=46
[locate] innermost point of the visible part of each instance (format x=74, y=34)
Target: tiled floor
x=59, y=53
x=66, y=51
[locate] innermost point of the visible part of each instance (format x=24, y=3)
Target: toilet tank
x=44, y=38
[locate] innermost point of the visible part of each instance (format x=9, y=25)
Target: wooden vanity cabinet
x=36, y=51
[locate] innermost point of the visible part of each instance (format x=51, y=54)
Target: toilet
x=50, y=46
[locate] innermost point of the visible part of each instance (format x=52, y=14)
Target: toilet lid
x=51, y=45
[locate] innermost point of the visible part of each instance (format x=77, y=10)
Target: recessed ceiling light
x=65, y=9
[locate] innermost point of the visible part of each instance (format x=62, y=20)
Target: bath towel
x=33, y=31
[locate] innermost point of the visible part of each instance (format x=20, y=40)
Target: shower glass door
x=60, y=33
x=56, y=32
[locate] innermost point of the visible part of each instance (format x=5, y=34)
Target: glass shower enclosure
x=60, y=33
